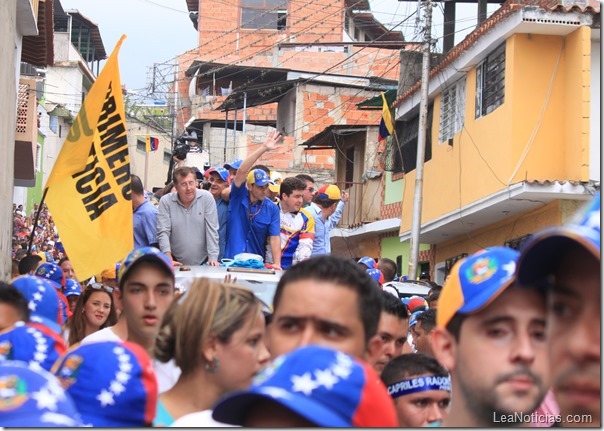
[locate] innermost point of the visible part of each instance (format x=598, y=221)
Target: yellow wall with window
x=488, y=151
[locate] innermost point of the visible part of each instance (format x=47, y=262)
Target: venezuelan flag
x=386, y=124
x=151, y=144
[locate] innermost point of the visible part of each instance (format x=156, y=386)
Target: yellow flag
x=88, y=191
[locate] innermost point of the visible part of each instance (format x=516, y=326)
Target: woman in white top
x=215, y=334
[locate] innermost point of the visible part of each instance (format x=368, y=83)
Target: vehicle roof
x=262, y=282
x=408, y=288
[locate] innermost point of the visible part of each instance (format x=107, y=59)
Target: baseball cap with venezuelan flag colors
x=475, y=282
x=324, y=386
x=330, y=191
x=258, y=177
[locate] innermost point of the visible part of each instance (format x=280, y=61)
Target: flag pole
x=33, y=231
x=146, y=169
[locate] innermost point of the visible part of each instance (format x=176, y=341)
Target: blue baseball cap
x=475, y=281
x=33, y=398
x=235, y=164
x=376, y=274
x=72, y=287
x=31, y=343
x=222, y=172
x=258, y=177
x=413, y=317
x=322, y=385
x=42, y=300
x=53, y=273
x=143, y=254
x=111, y=383
x=369, y=262
x=542, y=253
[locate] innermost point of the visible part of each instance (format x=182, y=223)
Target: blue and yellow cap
x=475, y=282
x=258, y=177
x=542, y=253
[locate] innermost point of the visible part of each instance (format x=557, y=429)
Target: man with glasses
x=309, y=191
x=187, y=222
x=253, y=219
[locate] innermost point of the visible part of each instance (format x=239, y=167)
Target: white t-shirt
x=105, y=334
x=167, y=373
x=201, y=419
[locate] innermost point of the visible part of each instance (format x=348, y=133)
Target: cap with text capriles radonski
x=324, y=386
x=330, y=191
x=475, y=281
x=542, y=253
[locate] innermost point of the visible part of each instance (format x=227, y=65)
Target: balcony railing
x=363, y=205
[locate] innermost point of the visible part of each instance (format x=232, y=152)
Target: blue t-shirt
x=145, y=225
x=223, y=215
x=250, y=225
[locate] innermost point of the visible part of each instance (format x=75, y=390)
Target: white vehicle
x=409, y=288
x=263, y=282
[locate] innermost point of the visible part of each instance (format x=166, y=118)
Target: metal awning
x=329, y=137
x=375, y=102
x=256, y=95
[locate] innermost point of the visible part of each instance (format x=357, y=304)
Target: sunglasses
x=99, y=286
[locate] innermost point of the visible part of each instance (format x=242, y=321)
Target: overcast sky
x=159, y=30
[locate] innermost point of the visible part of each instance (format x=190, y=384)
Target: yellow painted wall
x=486, y=153
x=505, y=230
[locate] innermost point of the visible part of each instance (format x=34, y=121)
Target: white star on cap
x=342, y=371
x=32, y=305
x=118, y=350
x=116, y=387
x=123, y=357
x=303, y=383
x=326, y=378
x=33, y=365
x=41, y=347
x=509, y=267
x=122, y=377
x=45, y=399
x=106, y=398
x=37, y=296
x=125, y=367
x=39, y=356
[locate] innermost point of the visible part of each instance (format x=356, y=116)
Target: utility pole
x=421, y=147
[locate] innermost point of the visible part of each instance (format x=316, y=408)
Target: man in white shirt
x=146, y=291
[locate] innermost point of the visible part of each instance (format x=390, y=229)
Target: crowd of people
x=511, y=338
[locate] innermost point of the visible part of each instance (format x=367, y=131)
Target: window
x=38, y=157
x=449, y=263
x=264, y=14
x=53, y=123
x=490, y=82
x=167, y=157
x=403, y=146
x=141, y=145
x=452, y=107
x=518, y=243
